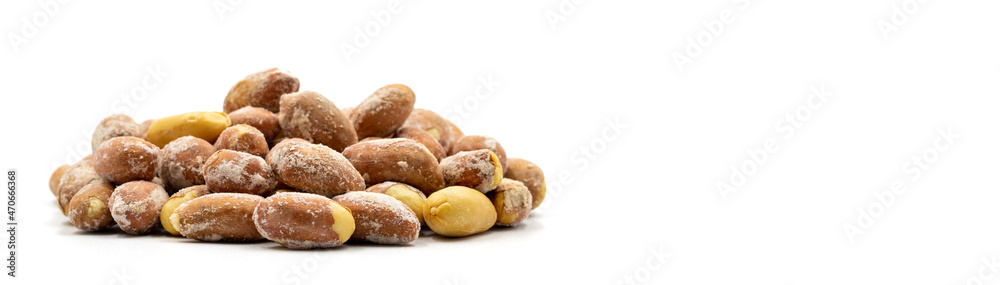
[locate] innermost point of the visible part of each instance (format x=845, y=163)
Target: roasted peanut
x=238, y=172
x=56, y=176
x=124, y=159
x=136, y=206
x=529, y=174
x=118, y=125
x=433, y=124
x=383, y=111
x=243, y=138
x=203, y=125
x=184, y=195
x=512, y=201
x=313, y=168
x=77, y=175
x=310, y=116
x=260, y=118
x=89, y=210
x=261, y=89
x=402, y=160
x=475, y=142
x=477, y=169
x=380, y=218
x=458, y=211
x=303, y=220
x=217, y=217
x=181, y=161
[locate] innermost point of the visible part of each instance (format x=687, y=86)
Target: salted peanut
x=529, y=174
x=477, y=169
x=402, y=160
x=383, y=111
x=433, y=124
x=118, y=125
x=459, y=211
x=261, y=89
x=203, y=124
x=380, y=218
x=184, y=195
x=136, y=206
x=181, y=161
x=56, y=177
x=89, y=209
x=410, y=196
x=423, y=138
x=310, y=116
x=77, y=175
x=243, y=138
x=303, y=220
x=260, y=118
x=475, y=142
x=238, y=172
x=144, y=128
x=218, y=217
x=123, y=159
x=313, y=168
x=512, y=201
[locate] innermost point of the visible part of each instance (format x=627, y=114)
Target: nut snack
x=261, y=89
x=89, y=209
x=77, y=175
x=118, y=125
x=203, y=125
x=383, y=112
x=136, y=205
x=181, y=161
x=531, y=175
x=512, y=201
x=218, y=217
x=477, y=169
x=260, y=118
x=291, y=167
x=380, y=218
x=182, y=196
x=303, y=221
x=238, y=172
x=124, y=159
x=476, y=142
x=459, y=211
x=310, y=116
x=402, y=160
x=56, y=176
x=243, y=138
x=313, y=168
x=438, y=127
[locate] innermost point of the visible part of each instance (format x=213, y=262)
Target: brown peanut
x=303, y=220
x=218, y=217
x=402, y=160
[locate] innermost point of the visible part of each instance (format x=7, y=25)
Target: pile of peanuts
x=289, y=166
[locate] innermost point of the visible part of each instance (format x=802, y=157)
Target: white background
x=633, y=146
